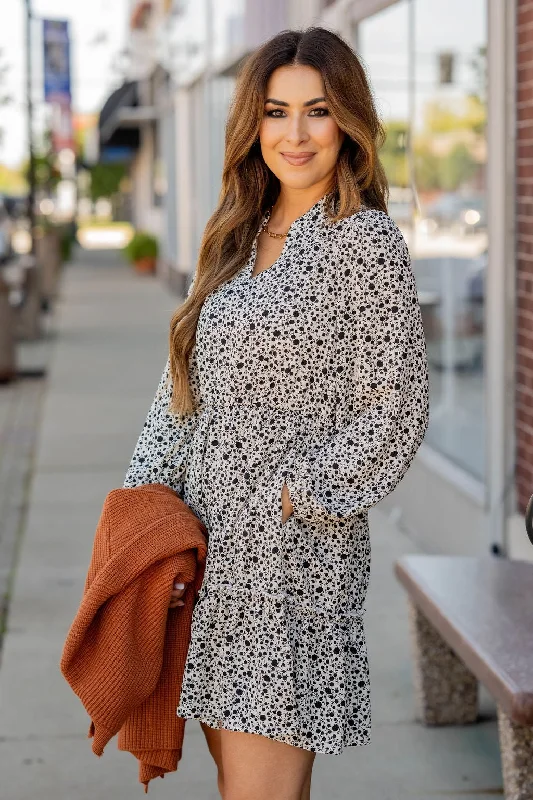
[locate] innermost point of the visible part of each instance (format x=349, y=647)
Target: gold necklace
x=270, y=233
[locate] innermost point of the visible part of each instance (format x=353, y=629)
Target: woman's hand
x=177, y=593
x=286, y=503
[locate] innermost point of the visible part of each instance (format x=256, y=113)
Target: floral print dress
x=312, y=373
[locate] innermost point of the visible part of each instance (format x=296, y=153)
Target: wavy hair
x=249, y=187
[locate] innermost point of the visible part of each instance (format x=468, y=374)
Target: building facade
x=453, y=82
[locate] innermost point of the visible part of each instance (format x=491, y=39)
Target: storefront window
x=429, y=76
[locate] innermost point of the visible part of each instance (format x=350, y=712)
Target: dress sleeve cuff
x=304, y=504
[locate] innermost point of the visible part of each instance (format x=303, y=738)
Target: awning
x=120, y=120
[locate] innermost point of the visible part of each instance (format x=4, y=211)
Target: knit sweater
x=125, y=652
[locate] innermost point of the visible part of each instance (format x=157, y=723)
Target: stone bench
x=471, y=619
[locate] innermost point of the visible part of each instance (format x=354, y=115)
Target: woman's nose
x=296, y=131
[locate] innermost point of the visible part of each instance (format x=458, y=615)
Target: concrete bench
x=471, y=619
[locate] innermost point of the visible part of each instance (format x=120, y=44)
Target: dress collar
x=309, y=219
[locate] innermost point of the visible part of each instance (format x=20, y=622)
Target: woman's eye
x=273, y=112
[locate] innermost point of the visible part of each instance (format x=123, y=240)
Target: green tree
x=448, y=171
x=393, y=154
x=457, y=167
x=448, y=148
x=47, y=175
x=468, y=114
x=105, y=180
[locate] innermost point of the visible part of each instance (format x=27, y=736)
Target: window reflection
x=432, y=97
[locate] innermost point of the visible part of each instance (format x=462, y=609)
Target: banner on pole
x=56, y=43
x=57, y=83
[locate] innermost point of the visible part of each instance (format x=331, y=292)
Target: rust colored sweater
x=125, y=652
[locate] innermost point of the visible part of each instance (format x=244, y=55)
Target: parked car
x=401, y=205
x=17, y=206
x=462, y=214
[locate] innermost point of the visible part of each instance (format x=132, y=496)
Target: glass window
x=426, y=60
x=382, y=43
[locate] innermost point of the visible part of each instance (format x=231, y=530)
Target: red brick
x=525, y=14
x=525, y=35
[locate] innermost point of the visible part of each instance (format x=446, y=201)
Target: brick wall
x=524, y=247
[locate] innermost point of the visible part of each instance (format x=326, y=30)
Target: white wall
x=185, y=187
x=145, y=215
x=302, y=15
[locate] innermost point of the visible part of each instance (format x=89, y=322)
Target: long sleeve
x=381, y=368
x=162, y=449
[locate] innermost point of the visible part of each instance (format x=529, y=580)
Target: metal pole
x=29, y=314
x=29, y=101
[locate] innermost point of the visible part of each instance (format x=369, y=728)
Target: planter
x=146, y=265
x=48, y=252
x=142, y=252
x=29, y=327
x=8, y=366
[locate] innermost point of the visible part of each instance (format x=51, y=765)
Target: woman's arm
x=382, y=363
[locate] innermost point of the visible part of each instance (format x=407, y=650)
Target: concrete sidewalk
x=109, y=354
x=20, y=405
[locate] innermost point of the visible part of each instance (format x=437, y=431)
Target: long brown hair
x=249, y=188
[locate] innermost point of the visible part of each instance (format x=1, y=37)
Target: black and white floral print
x=312, y=373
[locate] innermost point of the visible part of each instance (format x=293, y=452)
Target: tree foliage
x=47, y=174
x=393, y=154
x=105, y=180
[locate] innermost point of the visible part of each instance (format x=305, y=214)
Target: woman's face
x=299, y=139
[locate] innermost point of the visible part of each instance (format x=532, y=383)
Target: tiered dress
x=311, y=373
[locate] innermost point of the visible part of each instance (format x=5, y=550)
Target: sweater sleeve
x=161, y=452
x=382, y=369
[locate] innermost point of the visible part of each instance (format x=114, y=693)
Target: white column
x=500, y=279
x=184, y=180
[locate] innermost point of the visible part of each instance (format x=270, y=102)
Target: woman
x=297, y=386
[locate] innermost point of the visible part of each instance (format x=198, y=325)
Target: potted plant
x=142, y=250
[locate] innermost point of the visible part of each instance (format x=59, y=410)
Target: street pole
x=29, y=101
x=29, y=314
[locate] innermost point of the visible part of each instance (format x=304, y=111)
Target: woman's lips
x=297, y=160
